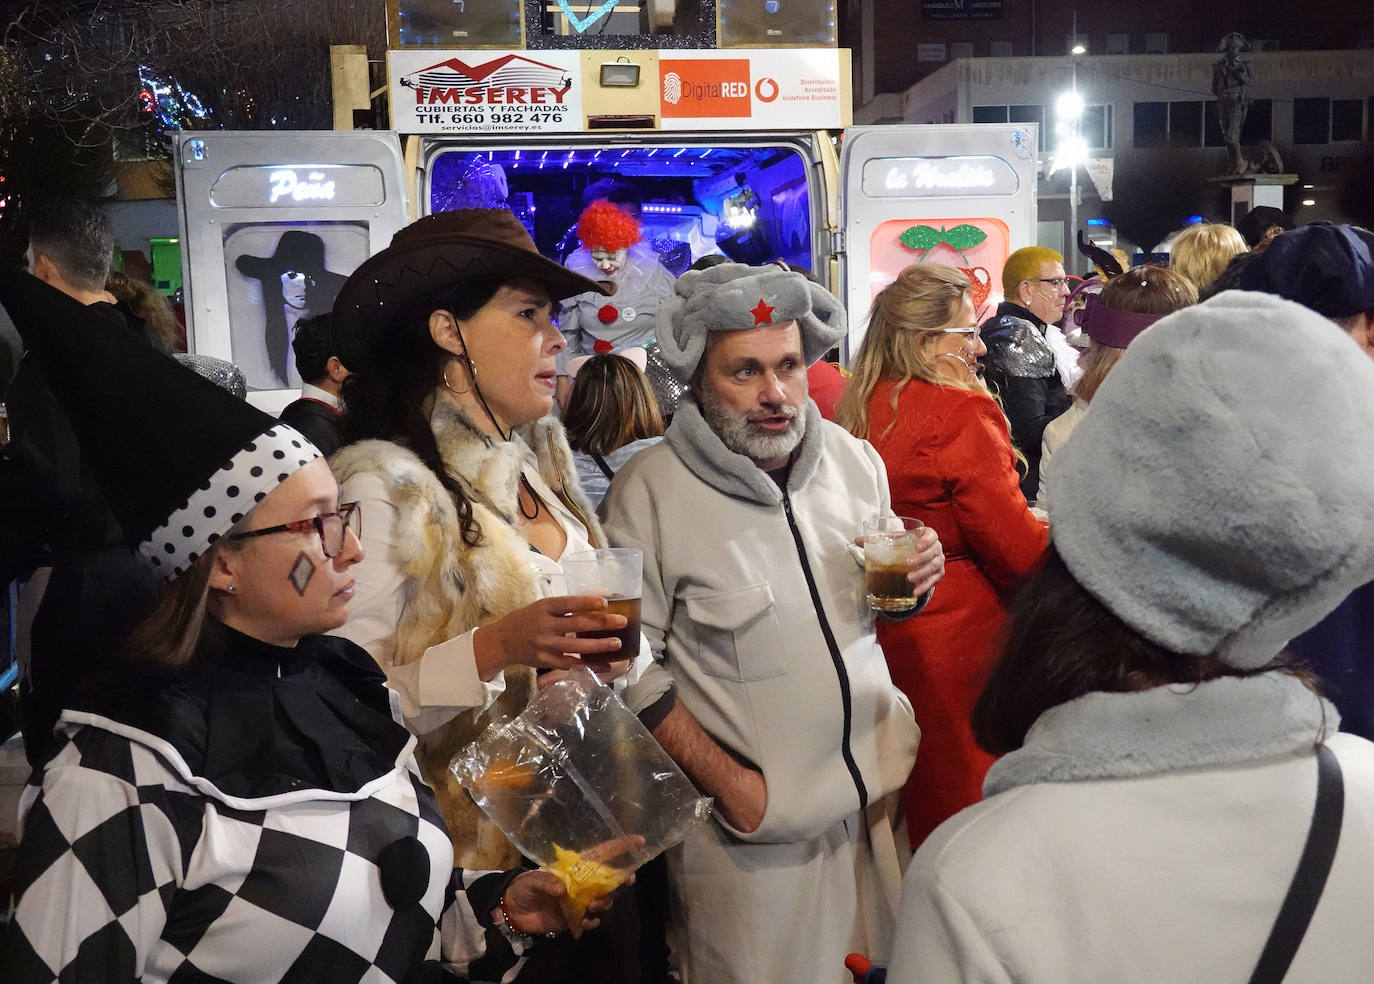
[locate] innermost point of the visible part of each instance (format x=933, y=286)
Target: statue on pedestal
x=1231, y=79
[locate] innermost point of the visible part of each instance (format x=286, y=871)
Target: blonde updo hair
x=903, y=328
x=1201, y=252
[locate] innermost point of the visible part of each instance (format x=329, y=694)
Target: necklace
x=525, y=483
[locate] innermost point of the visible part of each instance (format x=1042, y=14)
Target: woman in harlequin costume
x=234, y=799
x=594, y=324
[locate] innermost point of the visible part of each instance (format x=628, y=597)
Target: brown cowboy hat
x=433, y=255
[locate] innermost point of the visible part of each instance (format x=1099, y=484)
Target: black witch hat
x=179, y=459
x=298, y=251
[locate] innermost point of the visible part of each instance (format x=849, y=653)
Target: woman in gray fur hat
x=1159, y=750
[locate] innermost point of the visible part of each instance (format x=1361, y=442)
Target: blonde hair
x=1201, y=252
x=903, y=325
x=1140, y=290
x=1024, y=264
x=610, y=406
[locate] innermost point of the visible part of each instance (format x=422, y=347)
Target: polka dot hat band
x=225, y=498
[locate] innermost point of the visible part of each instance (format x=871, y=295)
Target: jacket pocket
x=737, y=635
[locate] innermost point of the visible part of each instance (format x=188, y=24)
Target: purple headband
x=1108, y=326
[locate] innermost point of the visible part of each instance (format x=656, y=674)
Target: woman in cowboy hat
x=295, y=284
x=234, y=800
x=469, y=486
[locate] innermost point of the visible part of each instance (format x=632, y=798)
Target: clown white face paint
x=609, y=262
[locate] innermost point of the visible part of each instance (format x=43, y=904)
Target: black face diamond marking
x=301, y=573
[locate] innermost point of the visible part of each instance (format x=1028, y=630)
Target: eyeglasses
x=1055, y=282
x=330, y=527
x=970, y=333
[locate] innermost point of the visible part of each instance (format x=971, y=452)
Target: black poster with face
x=453, y=23
x=278, y=273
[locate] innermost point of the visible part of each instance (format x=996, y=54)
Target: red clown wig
x=606, y=226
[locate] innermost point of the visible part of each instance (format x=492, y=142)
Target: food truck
x=726, y=150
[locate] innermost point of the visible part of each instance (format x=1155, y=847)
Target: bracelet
x=515, y=936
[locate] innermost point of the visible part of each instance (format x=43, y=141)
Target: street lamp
x=1071, y=150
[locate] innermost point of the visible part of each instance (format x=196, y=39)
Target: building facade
x=1311, y=114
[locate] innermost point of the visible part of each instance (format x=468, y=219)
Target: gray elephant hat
x=1216, y=497
x=735, y=297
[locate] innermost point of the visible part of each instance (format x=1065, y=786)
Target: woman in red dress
x=916, y=395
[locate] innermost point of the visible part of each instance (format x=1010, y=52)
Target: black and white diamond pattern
x=127, y=872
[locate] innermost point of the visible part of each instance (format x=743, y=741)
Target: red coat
x=949, y=464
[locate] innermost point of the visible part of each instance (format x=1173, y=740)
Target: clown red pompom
x=606, y=315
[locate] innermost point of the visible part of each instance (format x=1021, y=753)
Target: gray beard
x=738, y=433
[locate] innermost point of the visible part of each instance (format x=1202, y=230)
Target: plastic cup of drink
x=889, y=542
x=617, y=574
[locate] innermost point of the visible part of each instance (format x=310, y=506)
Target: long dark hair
x=1060, y=642
x=392, y=397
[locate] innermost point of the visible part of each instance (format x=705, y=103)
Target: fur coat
x=452, y=586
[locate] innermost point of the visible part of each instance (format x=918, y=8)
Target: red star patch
x=763, y=314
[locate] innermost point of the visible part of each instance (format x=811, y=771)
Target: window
x=1185, y=124
x=1311, y=121
x=1259, y=122
x=1118, y=44
x=1157, y=43
x=1003, y=49
x=1347, y=119
x=961, y=49
x=1095, y=127
x=989, y=114
x=930, y=52
x=1029, y=114
x=1151, y=124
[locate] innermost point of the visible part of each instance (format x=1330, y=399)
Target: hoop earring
x=449, y=386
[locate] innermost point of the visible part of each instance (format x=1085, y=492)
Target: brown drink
x=628, y=636
x=888, y=588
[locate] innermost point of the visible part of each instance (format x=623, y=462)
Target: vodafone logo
x=766, y=89
x=672, y=88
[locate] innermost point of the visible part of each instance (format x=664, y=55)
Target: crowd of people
x=1117, y=731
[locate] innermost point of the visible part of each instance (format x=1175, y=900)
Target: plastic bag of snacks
x=575, y=781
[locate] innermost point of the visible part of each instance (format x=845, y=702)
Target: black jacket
x=1020, y=367
x=317, y=421
x=55, y=515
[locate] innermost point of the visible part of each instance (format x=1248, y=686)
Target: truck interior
x=751, y=202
